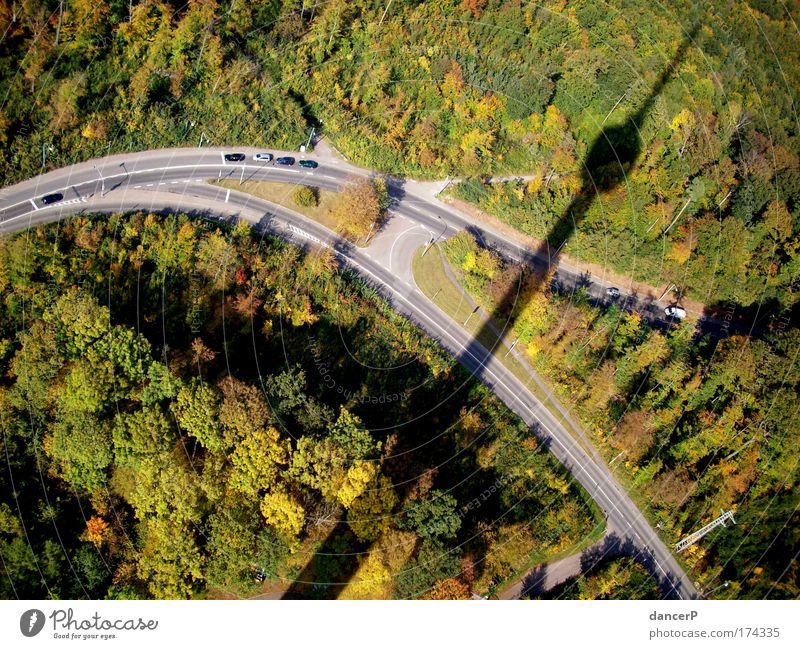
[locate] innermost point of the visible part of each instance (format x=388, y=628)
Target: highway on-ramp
x=176, y=179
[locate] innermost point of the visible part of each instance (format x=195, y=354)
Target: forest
x=693, y=425
x=470, y=88
x=189, y=407
x=131, y=346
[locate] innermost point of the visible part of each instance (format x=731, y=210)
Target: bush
x=306, y=196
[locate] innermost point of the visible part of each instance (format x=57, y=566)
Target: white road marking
x=482, y=365
x=173, y=182
x=137, y=186
x=222, y=157
x=303, y=233
x=194, y=167
x=396, y=239
x=227, y=195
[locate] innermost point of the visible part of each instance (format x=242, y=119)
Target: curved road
x=176, y=179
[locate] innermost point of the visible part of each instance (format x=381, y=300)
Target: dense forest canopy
x=466, y=87
x=183, y=405
x=130, y=347
x=698, y=426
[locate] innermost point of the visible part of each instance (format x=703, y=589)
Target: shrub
x=305, y=196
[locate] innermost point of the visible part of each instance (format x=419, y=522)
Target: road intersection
x=177, y=180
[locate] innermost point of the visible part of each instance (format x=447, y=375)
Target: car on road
x=49, y=199
x=264, y=157
x=612, y=292
x=675, y=311
x=308, y=164
x=286, y=161
x=235, y=157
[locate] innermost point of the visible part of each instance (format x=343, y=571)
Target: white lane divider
x=34, y=204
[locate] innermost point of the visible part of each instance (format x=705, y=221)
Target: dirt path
x=605, y=274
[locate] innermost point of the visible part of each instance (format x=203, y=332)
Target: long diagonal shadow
x=613, y=150
x=605, y=166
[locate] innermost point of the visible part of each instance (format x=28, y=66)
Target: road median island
x=435, y=279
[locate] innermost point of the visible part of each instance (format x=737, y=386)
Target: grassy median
x=281, y=194
x=432, y=277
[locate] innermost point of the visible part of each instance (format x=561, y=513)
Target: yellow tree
x=284, y=514
x=358, y=208
x=369, y=515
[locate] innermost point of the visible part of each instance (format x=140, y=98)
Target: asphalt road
x=175, y=179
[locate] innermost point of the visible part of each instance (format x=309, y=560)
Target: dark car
x=612, y=292
x=308, y=164
x=234, y=157
x=286, y=161
x=52, y=198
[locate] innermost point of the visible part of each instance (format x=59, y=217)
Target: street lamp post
x=514, y=344
x=45, y=148
x=313, y=130
x=724, y=584
x=369, y=232
x=433, y=241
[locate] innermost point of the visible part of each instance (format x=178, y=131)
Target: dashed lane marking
x=36, y=207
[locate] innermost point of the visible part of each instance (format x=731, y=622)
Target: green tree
x=434, y=517
x=305, y=196
x=197, y=411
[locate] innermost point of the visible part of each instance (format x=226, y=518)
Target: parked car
x=52, y=198
x=308, y=164
x=612, y=292
x=264, y=157
x=675, y=311
x=287, y=161
x=235, y=157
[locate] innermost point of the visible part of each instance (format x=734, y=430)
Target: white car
x=265, y=157
x=612, y=292
x=675, y=311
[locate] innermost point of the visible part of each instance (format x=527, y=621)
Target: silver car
x=675, y=311
x=264, y=157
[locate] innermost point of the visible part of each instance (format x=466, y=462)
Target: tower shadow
x=613, y=151
x=604, y=168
